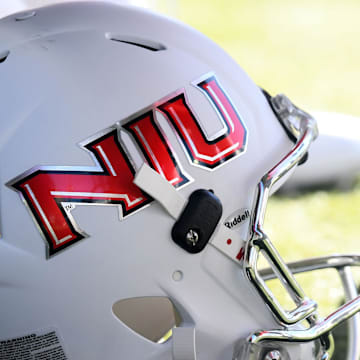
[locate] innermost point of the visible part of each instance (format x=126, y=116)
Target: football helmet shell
x=90, y=92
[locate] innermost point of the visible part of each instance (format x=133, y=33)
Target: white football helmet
x=152, y=226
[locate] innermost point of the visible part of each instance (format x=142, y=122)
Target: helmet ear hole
x=152, y=317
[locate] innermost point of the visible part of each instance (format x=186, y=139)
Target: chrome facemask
x=266, y=344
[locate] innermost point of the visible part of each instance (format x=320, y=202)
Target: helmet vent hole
x=4, y=56
x=24, y=16
x=152, y=317
x=134, y=41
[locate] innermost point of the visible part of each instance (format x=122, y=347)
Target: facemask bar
x=304, y=128
x=343, y=264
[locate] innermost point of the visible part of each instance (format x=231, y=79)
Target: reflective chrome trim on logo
x=192, y=138
x=51, y=192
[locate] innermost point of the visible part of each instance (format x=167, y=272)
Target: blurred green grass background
x=309, y=50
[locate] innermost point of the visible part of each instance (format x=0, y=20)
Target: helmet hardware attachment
x=195, y=218
x=197, y=222
x=192, y=237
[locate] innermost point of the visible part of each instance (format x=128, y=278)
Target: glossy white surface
x=65, y=81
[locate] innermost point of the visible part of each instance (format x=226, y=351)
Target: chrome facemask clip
x=303, y=126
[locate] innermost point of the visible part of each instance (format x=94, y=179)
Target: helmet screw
x=192, y=237
x=273, y=355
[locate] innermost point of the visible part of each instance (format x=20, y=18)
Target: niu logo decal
x=48, y=191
